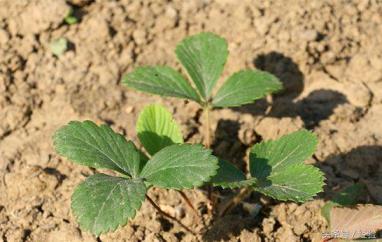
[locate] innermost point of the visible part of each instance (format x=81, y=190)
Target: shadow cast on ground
x=359, y=165
x=314, y=108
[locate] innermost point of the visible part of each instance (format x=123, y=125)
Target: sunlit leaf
x=203, y=55
x=180, y=166
x=160, y=80
x=102, y=203
x=157, y=129
x=97, y=146
x=245, y=87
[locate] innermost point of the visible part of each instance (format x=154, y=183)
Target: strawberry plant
x=203, y=56
x=276, y=167
x=103, y=202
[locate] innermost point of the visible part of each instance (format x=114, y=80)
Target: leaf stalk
x=207, y=135
x=244, y=192
x=168, y=215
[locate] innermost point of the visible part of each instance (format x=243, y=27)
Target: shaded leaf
x=245, y=87
x=346, y=197
x=180, y=166
x=228, y=176
x=70, y=18
x=102, y=203
x=160, y=80
x=354, y=223
x=203, y=55
x=157, y=129
x=97, y=146
x=278, y=166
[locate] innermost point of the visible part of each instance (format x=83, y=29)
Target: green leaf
x=180, y=166
x=59, y=46
x=298, y=183
x=102, y=203
x=346, y=197
x=350, y=195
x=276, y=155
x=203, y=55
x=228, y=176
x=97, y=146
x=245, y=87
x=160, y=80
x=70, y=18
x=157, y=129
x=280, y=170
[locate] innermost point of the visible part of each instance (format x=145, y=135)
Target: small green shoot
x=59, y=46
x=70, y=18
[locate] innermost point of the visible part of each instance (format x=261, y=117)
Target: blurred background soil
x=328, y=54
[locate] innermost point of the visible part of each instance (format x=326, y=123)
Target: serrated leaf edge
x=112, y=228
x=274, y=78
x=56, y=134
x=321, y=181
x=202, y=181
x=126, y=83
x=172, y=122
x=201, y=95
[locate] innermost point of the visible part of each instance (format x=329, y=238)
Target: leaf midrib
x=103, y=204
x=100, y=151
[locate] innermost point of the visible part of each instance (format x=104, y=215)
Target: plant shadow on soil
x=313, y=109
x=359, y=165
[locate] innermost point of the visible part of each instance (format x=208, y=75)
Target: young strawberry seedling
x=276, y=167
x=103, y=202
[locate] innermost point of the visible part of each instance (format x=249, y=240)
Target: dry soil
x=328, y=54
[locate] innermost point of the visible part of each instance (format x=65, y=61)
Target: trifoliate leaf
x=228, y=176
x=346, y=197
x=203, y=55
x=278, y=166
x=160, y=80
x=180, y=166
x=97, y=146
x=157, y=129
x=102, y=203
x=245, y=87
x=59, y=46
x=362, y=221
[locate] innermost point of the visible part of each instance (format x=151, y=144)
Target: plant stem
x=207, y=143
x=187, y=200
x=244, y=192
x=168, y=215
x=207, y=135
